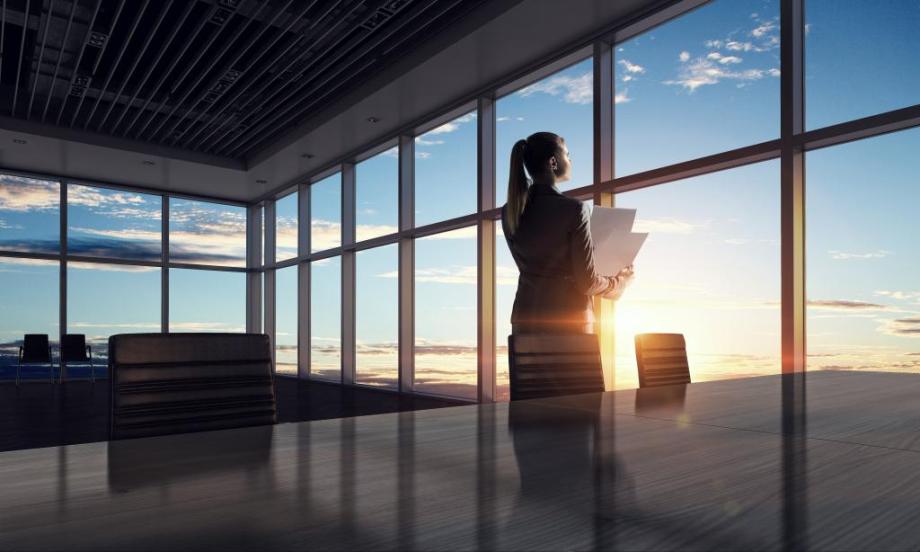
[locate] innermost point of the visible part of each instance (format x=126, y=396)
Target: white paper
x=615, y=244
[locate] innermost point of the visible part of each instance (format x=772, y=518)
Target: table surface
x=825, y=461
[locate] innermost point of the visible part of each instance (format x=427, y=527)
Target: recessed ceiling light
x=20, y=141
x=373, y=120
x=261, y=181
x=148, y=162
x=307, y=155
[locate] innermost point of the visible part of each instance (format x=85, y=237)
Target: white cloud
x=575, y=90
x=716, y=56
x=465, y=275
x=631, y=67
x=392, y=152
x=21, y=194
x=421, y=141
x=685, y=56
x=367, y=231
x=764, y=28
x=111, y=267
x=844, y=256
x=621, y=97
x=667, y=226
x=900, y=295
x=627, y=78
x=703, y=72
x=422, y=154
x=502, y=119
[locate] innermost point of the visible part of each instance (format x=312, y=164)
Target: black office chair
x=547, y=365
x=662, y=359
x=75, y=350
x=35, y=349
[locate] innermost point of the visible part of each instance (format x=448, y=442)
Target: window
x=326, y=319
x=207, y=233
x=286, y=227
x=445, y=171
x=377, y=316
x=863, y=257
x=877, y=39
x=561, y=103
x=326, y=213
x=286, y=309
x=113, y=223
x=29, y=214
x=506, y=279
x=445, y=313
x=107, y=299
x=701, y=84
x=206, y=301
x=376, y=195
x=710, y=269
x=29, y=303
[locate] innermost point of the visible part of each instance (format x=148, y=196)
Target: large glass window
x=445, y=171
x=860, y=58
x=703, y=83
x=561, y=103
x=286, y=308
x=29, y=303
x=286, y=210
x=108, y=299
x=377, y=316
x=377, y=195
x=710, y=269
x=445, y=313
x=103, y=222
x=326, y=213
x=207, y=233
x=863, y=255
x=206, y=301
x=326, y=319
x=30, y=211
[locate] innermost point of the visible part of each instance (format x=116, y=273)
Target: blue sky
x=701, y=84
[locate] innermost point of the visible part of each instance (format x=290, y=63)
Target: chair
x=662, y=359
x=35, y=349
x=184, y=382
x=75, y=349
x=547, y=365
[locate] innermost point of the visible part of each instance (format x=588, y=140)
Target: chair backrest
x=662, y=359
x=182, y=382
x=546, y=365
x=73, y=348
x=35, y=348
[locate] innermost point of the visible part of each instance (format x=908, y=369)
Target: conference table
x=825, y=460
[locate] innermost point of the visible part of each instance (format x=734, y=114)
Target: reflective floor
x=741, y=464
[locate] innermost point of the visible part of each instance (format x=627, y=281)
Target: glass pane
x=703, y=83
x=445, y=313
x=561, y=103
x=29, y=303
x=445, y=171
x=377, y=316
x=206, y=301
x=111, y=223
x=108, y=299
x=506, y=279
x=863, y=255
x=286, y=321
x=326, y=213
x=710, y=269
x=207, y=233
x=30, y=211
x=877, y=39
x=286, y=227
x=377, y=195
x=326, y=319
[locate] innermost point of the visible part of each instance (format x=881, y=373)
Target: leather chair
x=184, y=382
x=662, y=359
x=548, y=365
x=74, y=350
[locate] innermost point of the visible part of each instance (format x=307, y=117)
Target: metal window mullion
x=348, y=275
x=303, y=281
x=603, y=115
x=486, y=338
x=62, y=289
x=254, y=264
x=406, y=266
x=269, y=278
x=164, y=272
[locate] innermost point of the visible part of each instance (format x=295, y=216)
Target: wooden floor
x=39, y=414
x=827, y=462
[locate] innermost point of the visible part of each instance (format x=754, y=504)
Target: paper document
x=615, y=244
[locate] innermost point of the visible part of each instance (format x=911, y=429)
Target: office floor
x=38, y=414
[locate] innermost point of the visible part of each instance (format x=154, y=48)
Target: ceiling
x=216, y=77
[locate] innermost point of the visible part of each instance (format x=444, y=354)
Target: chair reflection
x=665, y=400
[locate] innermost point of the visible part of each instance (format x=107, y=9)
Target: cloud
x=20, y=194
x=422, y=155
x=684, y=56
x=902, y=327
x=368, y=231
x=450, y=126
x=843, y=304
x=843, y=256
x=704, y=72
x=667, y=226
x=900, y=295
x=111, y=267
x=574, y=90
x=421, y=141
x=622, y=97
x=716, y=56
x=631, y=67
x=466, y=275
x=764, y=28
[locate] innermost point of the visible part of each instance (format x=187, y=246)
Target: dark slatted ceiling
x=223, y=77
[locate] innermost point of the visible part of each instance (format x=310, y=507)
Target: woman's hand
x=624, y=279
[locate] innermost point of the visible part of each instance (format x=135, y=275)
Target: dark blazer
x=555, y=256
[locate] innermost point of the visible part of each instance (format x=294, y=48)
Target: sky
x=701, y=84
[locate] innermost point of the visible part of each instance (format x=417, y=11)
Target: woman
x=549, y=236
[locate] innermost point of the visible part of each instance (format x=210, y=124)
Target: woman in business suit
x=549, y=236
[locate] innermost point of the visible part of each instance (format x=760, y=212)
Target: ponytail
x=518, y=184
